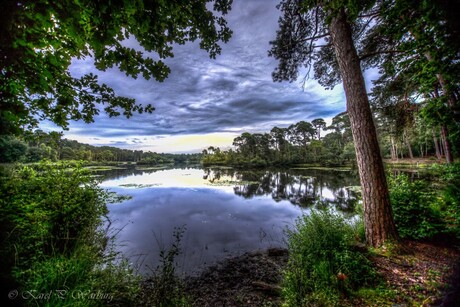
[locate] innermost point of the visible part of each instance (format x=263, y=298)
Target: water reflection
x=302, y=187
x=225, y=211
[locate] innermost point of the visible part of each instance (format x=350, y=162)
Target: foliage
x=323, y=263
x=39, y=39
x=448, y=196
x=417, y=91
x=295, y=144
x=413, y=213
x=38, y=145
x=11, y=149
x=50, y=220
x=423, y=210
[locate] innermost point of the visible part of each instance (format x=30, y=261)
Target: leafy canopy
x=39, y=39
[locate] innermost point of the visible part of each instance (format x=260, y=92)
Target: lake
x=223, y=212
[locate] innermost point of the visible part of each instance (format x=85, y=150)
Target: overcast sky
x=208, y=102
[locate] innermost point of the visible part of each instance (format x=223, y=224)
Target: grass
x=323, y=264
x=379, y=296
x=164, y=287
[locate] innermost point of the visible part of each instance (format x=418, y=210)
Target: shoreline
x=421, y=273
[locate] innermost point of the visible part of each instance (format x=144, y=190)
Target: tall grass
x=164, y=287
x=324, y=264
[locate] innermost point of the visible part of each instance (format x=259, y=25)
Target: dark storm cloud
x=234, y=92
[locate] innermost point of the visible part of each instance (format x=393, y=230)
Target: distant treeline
x=317, y=143
x=299, y=143
x=39, y=145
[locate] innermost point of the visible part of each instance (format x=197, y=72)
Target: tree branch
x=315, y=37
x=368, y=55
x=366, y=25
x=371, y=14
x=316, y=28
x=321, y=46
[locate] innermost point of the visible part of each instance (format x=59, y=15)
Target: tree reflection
x=301, y=187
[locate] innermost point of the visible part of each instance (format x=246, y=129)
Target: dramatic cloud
x=204, y=100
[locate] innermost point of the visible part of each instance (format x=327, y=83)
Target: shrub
x=50, y=218
x=422, y=211
x=415, y=208
x=50, y=209
x=323, y=262
x=448, y=196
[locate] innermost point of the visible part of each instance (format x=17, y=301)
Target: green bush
x=324, y=263
x=426, y=209
x=51, y=237
x=49, y=209
x=414, y=208
x=448, y=196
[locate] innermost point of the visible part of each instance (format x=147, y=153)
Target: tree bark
x=445, y=139
x=436, y=146
x=378, y=216
x=394, y=154
x=446, y=145
x=409, y=148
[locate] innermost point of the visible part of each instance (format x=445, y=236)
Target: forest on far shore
x=39, y=145
x=403, y=132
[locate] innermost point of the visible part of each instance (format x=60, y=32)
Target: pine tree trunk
x=378, y=216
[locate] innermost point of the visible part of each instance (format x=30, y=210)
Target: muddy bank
x=251, y=279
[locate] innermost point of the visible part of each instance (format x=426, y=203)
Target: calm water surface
x=224, y=212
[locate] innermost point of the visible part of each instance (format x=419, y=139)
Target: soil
x=422, y=274
x=251, y=279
